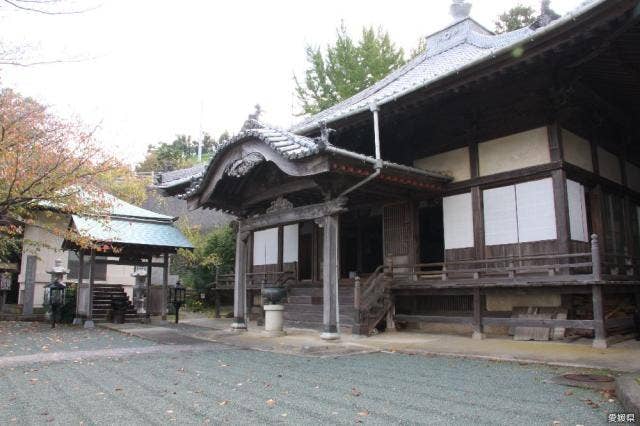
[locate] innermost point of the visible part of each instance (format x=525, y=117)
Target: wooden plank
x=531, y=322
x=558, y=333
x=530, y=332
x=434, y=318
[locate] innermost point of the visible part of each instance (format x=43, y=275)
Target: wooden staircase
x=103, y=294
x=304, y=307
x=373, y=302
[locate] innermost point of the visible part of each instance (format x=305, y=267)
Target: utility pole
x=200, y=137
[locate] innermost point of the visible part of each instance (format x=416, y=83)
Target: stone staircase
x=103, y=294
x=304, y=307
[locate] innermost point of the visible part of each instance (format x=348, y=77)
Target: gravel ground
x=227, y=385
x=26, y=338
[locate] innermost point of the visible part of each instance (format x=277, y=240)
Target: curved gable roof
x=447, y=52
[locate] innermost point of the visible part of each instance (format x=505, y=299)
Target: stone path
x=225, y=385
x=170, y=376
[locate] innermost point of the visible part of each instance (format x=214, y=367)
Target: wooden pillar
x=596, y=204
x=148, y=300
x=561, y=204
x=478, y=328
x=330, y=278
x=359, y=246
x=77, y=320
x=92, y=277
x=478, y=222
x=476, y=203
x=600, y=334
x=240, y=284
x=559, y=182
x=280, y=250
x=165, y=285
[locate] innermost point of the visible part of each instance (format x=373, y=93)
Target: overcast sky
x=153, y=69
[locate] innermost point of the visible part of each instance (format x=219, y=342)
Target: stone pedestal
x=274, y=320
x=89, y=324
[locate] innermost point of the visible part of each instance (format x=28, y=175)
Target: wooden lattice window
x=397, y=229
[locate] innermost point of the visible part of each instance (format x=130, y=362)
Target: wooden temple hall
x=492, y=184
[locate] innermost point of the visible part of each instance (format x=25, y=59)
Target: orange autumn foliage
x=48, y=163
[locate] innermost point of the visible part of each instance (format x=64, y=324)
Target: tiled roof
x=447, y=52
x=131, y=231
x=168, y=179
x=287, y=144
x=290, y=146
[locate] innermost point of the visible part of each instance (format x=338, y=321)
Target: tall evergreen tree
x=515, y=18
x=346, y=67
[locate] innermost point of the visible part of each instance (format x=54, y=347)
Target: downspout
x=378, y=164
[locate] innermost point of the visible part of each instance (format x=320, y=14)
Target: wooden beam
x=255, y=197
x=294, y=215
x=103, y=261
x=435, y=318
x=504, y=178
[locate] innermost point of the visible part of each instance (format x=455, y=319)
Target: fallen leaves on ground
x=271, y=402
x=355, y=392
x=363, y=413
x=223, y=402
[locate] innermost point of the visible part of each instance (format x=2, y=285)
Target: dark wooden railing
x=543, y=269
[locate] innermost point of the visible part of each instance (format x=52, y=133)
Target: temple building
x=490, y=184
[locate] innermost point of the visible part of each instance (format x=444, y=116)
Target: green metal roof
x=122, y=230
x=122, y=208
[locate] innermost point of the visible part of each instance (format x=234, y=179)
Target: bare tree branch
x=17, y=4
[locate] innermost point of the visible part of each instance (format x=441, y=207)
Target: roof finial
x=460, y=9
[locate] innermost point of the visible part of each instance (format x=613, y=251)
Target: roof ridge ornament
x=325, y=133
x=253, y=120
x=547, y=15
x=459, y=9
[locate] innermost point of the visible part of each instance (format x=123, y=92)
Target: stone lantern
x=54, y=293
